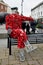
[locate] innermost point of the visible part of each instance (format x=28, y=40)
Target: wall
x=38, y=12
x=3, y=8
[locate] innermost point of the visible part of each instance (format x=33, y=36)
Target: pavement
x=3, y=29
x=33, y=58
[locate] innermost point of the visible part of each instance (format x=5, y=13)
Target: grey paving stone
x=40, y=61
x=11, y=58
x=14, y=62
x=33, y=58
x=4, y=61
x=33, y=62
x=23, y=63
x=28, y=57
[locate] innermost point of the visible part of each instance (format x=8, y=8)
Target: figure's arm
x=9, y=21
x=25, y=18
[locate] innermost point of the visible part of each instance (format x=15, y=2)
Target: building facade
x=37, y=11
x=4, y=7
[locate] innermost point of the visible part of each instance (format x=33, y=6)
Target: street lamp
x=22, y=7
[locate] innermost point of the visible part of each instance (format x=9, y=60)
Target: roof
x=4, y=3
x=37, y=6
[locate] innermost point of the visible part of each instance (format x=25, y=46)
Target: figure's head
x=15, y=10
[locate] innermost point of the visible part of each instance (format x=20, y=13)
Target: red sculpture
x=14, y=22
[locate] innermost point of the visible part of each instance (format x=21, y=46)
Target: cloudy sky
x=27, y=5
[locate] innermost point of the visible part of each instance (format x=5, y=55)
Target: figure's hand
x=9, y=31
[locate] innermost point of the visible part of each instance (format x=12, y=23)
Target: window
x=1, y=6
x=41, y=13
x=5, y=8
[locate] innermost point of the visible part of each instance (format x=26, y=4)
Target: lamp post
x=22, y=7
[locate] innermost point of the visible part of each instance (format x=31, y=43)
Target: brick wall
x=3, y=8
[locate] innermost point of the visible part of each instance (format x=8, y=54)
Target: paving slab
x=40, y=61
x=33, y=58
x=33, y=62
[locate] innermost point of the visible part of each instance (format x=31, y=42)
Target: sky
x=27, y=5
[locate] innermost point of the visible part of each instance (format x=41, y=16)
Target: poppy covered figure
x=14, y=23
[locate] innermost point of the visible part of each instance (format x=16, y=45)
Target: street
x=3, y=43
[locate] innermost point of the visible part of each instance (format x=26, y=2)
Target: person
x=27, y=28
x=33, y=26
x=14, y=27
x=23, y=25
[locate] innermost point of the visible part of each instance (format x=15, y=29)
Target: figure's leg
x=29, y=47
x=21, y=55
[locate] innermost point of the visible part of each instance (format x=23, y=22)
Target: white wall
x=9, y=10
x=36, y=13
